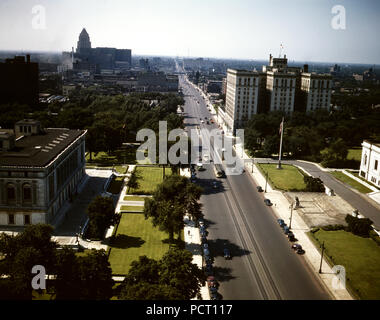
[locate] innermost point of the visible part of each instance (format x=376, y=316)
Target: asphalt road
x=263, y=265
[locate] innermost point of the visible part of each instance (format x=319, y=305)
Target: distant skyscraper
x=84, y=43
x=96, y=59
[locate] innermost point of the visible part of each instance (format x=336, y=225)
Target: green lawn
x=121, y=156
x=360, y=257
x=136, y=237
x=351, y=182
x=287, y=179
x=132, y=208
x=355, y=154
x=148, y=179
x=134, y=198
x=356, y=174
x=115, y=185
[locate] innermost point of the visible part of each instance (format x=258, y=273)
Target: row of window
x=11, y=219
x=12, y=195
x=376, y=164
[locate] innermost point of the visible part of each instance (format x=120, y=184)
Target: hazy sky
x=245, y=29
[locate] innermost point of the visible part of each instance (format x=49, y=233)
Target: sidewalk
x=281, y=207
x=193, y=242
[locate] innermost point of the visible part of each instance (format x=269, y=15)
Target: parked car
x=211, y=282
x=216, y=296
x=209, y=270
x=300, y=251
x=213, y=290
x=227, y=254
x=201, y=222
x=291, y=236
x=206, y=252
x=281, y=222
x=205, y=246
x=268, y=202
x=215, y=185
x=296, y=246
x=286, y=230
x=259, y=189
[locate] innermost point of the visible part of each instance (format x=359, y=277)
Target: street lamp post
x=323, y=249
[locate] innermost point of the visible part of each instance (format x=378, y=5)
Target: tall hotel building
x=241, y=96
x=277, y=88
x=316, y=89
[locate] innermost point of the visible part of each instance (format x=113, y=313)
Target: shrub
x=314, y=230
x=335, y=227
x=359, y=227
x=313, y=184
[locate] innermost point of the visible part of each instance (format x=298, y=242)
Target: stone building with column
x=40, y=170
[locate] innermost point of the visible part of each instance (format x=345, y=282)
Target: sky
x=238, y=29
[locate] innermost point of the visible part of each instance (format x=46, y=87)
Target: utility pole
x=280, y=153
x=323, y=249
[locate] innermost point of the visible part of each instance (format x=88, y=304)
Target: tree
x=87, y=277
x=101, y=213
x=174, y=277
x=168, y=215
x=271, y=145
x=335, y=154
x=173, y=198
x=358, y=226
x=178, y=271
x=20, y=253
x=313, y=184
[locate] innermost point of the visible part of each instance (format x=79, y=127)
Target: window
x=27, y=219
x=11, y=219
x=376, y=164
x=27, y=192
x=11, y=193
x=365, y=159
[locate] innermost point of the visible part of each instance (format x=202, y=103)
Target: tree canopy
x=173, y=198
x=174, y=277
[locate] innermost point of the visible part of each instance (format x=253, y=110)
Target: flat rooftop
x=39, y=150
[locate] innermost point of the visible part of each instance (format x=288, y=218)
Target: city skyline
x=239, y=30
